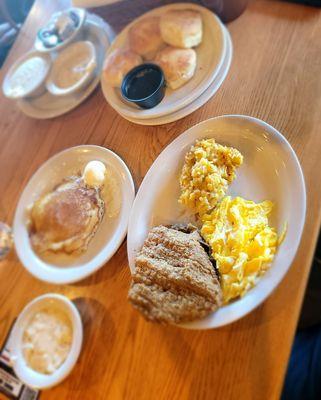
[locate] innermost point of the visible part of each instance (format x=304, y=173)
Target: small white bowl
x=38, y=86
x=65, y=62
x=24, y=372
x=82, y=15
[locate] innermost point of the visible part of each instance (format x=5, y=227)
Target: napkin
x=92, y=3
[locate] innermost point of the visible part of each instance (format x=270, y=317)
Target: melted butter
x=111, y=193
x=47, y=340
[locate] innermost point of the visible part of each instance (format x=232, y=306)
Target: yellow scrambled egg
x=242, y=242
x=208, y=170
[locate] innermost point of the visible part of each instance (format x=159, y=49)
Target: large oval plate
x=111, y=232
x=210, y=56
x=270, y=170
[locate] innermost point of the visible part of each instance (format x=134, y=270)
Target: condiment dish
x=73, y=69
x=32, y=87
x=144, y=85
x=80, y=13
x=25, y=373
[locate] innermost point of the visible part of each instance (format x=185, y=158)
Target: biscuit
x=181, y=28
x=145, y=38
x=177, y=64
x=118, y=63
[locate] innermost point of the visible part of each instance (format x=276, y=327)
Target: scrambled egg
x=242, y=242
x=208, y=170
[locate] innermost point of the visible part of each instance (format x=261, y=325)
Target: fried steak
x=174, y=279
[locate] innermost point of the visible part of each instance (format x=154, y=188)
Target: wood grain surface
x=275, y=76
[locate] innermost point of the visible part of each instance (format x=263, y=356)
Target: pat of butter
x=94, y=174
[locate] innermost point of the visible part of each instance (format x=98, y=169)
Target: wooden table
x=275, y=76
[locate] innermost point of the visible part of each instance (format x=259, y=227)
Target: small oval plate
x=62, y=269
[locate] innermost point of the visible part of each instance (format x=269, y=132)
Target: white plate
x=60, y=269
x=210, y=56
x=28, y=375
x=50, y=106
x=200, y=101
x=270, y=170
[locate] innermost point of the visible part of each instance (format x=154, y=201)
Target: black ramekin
x=155, y=96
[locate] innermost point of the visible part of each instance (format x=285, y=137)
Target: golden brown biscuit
x=145, y=37
x=177, y=64
x=118, y=63
x=181, y=28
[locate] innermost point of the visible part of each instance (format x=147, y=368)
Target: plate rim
x=201, y=324
x=50, y=273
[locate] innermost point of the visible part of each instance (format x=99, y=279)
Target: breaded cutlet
x=174, y=279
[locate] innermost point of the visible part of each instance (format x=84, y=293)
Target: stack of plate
x=214, y=57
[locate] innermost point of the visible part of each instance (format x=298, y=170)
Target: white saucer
x=210, y=56
x=50, y=106
x=201, y=100
x=62, y=269
x=270, y=171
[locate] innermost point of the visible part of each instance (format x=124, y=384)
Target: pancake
x=145, y=37
x=181, y=28
x=118, y=63
x=66, y=219
x=177, y=64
